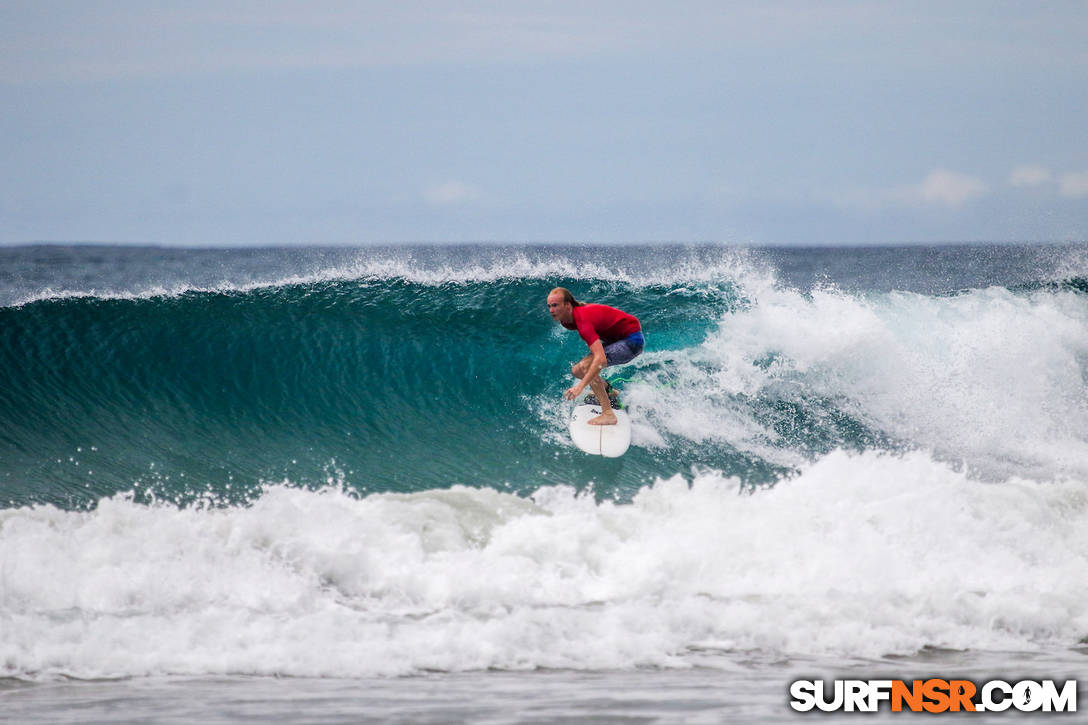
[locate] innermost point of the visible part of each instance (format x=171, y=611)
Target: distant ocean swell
x=308, y=477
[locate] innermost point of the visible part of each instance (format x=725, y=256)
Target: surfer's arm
x=595, y=366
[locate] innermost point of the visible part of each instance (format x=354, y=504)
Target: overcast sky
x=216, y=122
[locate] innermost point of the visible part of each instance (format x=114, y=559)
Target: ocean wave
x=859, y=554
x=989, y=377
x=702, y=268
x=745, y=375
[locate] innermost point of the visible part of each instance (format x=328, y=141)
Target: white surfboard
x=610, y=441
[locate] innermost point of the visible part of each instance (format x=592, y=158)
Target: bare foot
x=603, y=419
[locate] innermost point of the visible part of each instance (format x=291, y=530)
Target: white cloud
x=452, y=192
x=1030, y=175
x=947, y=188
x=1073, y=185
x=940, y=187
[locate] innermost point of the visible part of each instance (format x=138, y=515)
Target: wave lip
x=137, y=277
x=859, y=555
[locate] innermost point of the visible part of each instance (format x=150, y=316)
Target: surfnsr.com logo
x=933, y=695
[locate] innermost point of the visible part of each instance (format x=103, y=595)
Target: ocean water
x=336, y=484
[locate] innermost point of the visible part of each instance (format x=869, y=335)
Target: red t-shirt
x=604, y=323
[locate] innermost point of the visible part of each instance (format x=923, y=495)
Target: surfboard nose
x=610, y=441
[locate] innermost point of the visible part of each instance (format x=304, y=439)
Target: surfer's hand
x=573, y=392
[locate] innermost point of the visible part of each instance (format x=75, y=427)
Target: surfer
x=613, y=336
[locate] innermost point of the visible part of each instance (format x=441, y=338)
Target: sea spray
x=861, y=554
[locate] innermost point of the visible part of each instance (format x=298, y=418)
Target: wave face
x=396, y=382
x=405, y=374
x=210, y=444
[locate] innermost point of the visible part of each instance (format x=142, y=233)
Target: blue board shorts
x=625, y=350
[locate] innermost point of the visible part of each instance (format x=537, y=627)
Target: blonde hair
x=567, y=296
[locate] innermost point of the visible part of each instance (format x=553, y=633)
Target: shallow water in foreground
x=744, y=689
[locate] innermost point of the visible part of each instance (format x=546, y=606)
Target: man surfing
x=613, y=336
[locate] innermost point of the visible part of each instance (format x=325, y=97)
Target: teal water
x=396, y=384
x=353, y=464
x=397, y=371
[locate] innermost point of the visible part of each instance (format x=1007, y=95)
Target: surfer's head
x=561, y=303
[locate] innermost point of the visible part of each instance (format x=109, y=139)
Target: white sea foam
x=860, y=555
x=990, y=377
x=424, y=269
